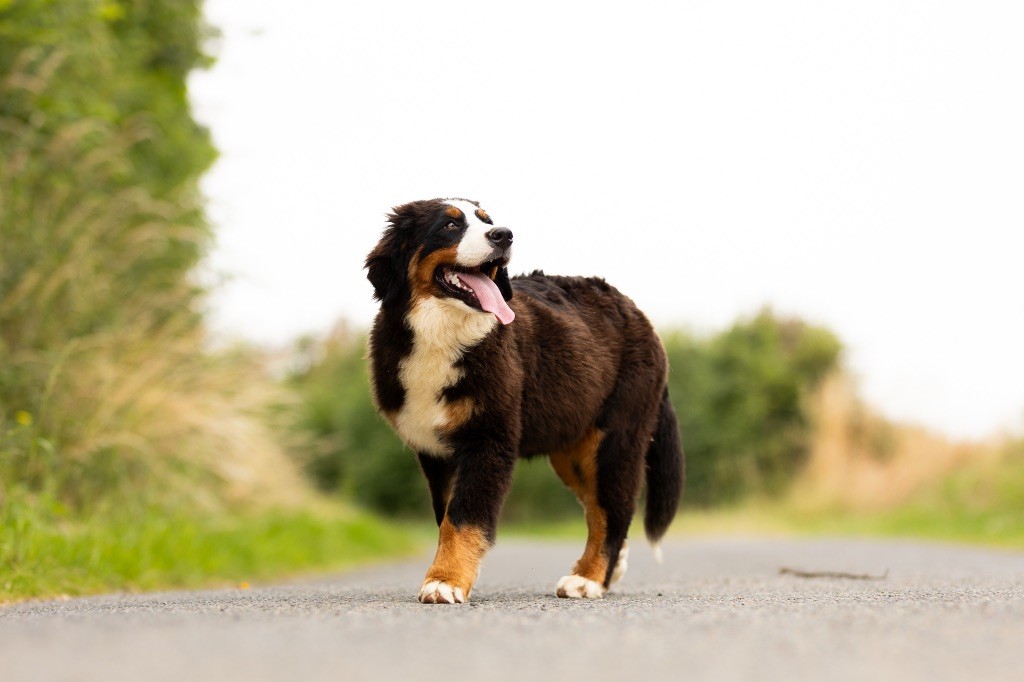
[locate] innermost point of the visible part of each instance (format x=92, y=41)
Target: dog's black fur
x=579, y=375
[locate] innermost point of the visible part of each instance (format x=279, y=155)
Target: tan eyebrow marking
x=453, y=212
x=482, y=215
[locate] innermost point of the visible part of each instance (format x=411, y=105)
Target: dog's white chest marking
x=442, y=331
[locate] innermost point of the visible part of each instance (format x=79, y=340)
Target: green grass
x=981, y=504
x=42, y=555
x=44, y=552
x=996, y=528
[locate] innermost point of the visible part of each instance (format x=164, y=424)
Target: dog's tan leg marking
x=577, y=467
x=456, y=564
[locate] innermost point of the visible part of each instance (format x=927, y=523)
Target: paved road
x=718, y=609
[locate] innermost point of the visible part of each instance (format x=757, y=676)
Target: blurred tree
x=122, y=66
x=354, y=451
x=101, y=224
x=741, y=397
x=119, y=62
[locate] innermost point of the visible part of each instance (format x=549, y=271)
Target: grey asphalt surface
x=718, y=609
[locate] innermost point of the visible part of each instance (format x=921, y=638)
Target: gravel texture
x=718, y=609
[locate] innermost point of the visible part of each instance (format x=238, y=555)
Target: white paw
x=440, y=592
x=578, y=587
x=621, y=565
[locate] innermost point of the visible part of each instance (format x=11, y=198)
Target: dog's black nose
x=500, y=237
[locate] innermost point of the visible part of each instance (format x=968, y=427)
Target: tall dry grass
x=862, y=461
x=108, y=390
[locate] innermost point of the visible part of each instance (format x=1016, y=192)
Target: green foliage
x=130, y=455
x=98, y=136
x=538, y=496
x=46, y=551
x=106, y=389
x=354, y=451
x=741, y=397
x=978, y=502
x=122, y=63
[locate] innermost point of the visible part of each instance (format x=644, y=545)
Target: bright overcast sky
x=859, y=164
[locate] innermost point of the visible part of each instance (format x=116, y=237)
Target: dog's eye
x=451, y=226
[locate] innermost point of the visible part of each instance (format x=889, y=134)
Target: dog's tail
x=666, y=474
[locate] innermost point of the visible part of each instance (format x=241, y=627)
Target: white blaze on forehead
x=474, y=248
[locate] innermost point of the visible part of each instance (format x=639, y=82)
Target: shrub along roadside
x=109, y=392
x=131, y=455
x=743, y=397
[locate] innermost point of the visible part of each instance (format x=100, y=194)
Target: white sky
x=859, y=164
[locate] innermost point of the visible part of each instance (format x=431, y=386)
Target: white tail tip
x=658, y=556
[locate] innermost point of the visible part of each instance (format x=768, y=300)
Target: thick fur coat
x=474, y=370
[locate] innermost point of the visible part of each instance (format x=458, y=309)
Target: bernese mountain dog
x=474, y=370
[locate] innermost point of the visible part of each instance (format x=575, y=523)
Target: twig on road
x=832, y=574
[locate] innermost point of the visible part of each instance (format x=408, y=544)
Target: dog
x=474, y=370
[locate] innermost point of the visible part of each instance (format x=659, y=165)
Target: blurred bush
x=741, y=396
x=107, y=390
x=351, y=449
x=119, y=63
x=743, y=400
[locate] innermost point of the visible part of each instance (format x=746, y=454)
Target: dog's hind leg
x=628, y=418
x=604, y=557
x=605, y=469
x=620, y=463
x=577, y=467
x=608, y=515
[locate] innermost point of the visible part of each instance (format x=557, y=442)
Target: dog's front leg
x=475, y=493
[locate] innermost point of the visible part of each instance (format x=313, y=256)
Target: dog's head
x=445, y=248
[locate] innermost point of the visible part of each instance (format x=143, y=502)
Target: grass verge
x=981, y=504
x=993, y=528
x=42, y=555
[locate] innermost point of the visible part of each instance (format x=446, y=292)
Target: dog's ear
x=387, y=264
x=504, y=285
x=383, y=269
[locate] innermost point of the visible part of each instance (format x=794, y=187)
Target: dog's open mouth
x=475, y=287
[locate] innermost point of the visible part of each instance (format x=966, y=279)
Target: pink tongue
x=487, y=293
